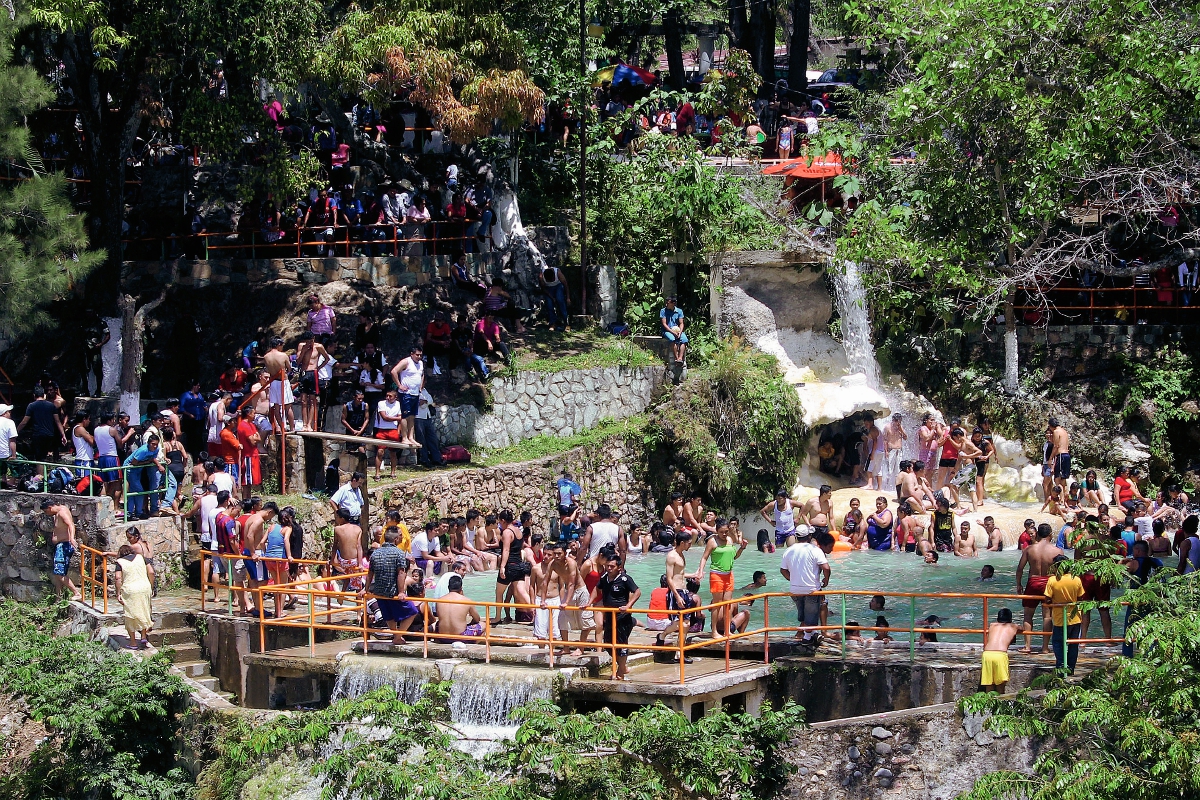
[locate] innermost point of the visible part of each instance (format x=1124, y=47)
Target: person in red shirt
x=233, y=380
x=1028, y=536
x=249, y=467
x=437, y=340
x=231, y=449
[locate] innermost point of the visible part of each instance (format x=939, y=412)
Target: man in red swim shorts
x=1039, y=557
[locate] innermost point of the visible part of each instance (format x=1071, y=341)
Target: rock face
x=551, y=403
x=931, y=754
x=606, y=474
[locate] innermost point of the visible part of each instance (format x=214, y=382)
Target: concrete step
x=173, y=637
x=185, y=653
x=193, y=668
x=209, y=682
x=227, y=695
x=171, y=619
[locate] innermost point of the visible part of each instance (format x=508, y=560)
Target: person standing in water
x=1060, y=454
x=782, y=514
x=879, y=526
x=1039, y=557
x=721, y=551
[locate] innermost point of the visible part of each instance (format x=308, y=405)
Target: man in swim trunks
x=63, y=539
x=1060, y=454
x=256, y=516
x=994, y=675
x=311, y=356
x=894, y=438
x=964, y=545
x=782, y=515
x=994, y=538
x=913, y=489
x=279, y=393
x=347, y=556
x=1039, y=557
x=678, y=597
x=457, y=621
x=818, y=511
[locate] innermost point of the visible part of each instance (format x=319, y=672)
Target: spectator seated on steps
x=487, y=340
x=463, y=280
x=437, y=340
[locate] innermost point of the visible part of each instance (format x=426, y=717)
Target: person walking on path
x=134, y=590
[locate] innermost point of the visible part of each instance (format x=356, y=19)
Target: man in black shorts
x=46, y=432
x=616, y=590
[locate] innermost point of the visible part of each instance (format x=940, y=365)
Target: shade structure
x=826, y=166
x=623, y=73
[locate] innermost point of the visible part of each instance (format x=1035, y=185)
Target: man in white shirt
x=426, y=548
x=1144, y=523
x=603, y=532
x=216, y=416
x=8, y=442
x=221, y=479
x=388, y=414
x=806, y=569
x=205, y=510
x=349, y=496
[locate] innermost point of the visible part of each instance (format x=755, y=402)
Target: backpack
x=61, y=481
x=456, y=454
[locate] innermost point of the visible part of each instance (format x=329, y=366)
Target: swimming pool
x=860, y=570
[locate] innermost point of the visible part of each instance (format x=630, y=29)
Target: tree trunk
x=133, y=330
x=762, y=40
x=673, y=34
x=737, y=24
x=798, y=46
x=1012, y=379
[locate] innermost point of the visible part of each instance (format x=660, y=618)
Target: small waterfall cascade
x=357, y=675
x=483, y=694
x=856, y=324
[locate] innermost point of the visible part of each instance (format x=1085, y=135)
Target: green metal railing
x=91, y=471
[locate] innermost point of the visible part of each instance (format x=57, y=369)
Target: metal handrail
x=93, y=559
x=91, y=470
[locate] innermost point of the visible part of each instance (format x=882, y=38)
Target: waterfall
x=481, y=695
x=358, y=675
x=484, y=694
x=856, y=325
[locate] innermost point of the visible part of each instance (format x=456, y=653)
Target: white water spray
x=856, y=324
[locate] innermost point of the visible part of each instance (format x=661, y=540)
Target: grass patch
x=544, y=445
x=547, y=351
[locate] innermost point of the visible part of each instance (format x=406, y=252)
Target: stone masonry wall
x=553, y=403
x=26, y=555
x=1062, y=352
x=606, y=473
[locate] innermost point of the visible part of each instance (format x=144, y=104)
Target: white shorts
x=546, y=618
x=876, y=467
x=281, y=393
x=656, y=624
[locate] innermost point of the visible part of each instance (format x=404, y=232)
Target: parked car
x=823, y=91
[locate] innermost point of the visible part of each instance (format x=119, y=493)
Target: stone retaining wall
x=1077, y=351
x=553, y=403
x=26, y=555
x=607, y=474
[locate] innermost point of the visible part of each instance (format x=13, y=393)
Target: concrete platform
x=707, y=686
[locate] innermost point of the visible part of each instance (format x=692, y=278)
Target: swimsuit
x=1036, y=585
x=63, y=551
x=879, y=538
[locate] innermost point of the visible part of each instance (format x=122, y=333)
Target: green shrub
x=734, y=431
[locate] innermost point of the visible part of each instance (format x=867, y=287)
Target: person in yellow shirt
x=1062, y=591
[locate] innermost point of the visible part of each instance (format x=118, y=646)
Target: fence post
x=259, y=596
x=985, y=621
x=104, y=579
x=312, y=644
x=766, y=630
x=912, y=625
x=425, y=628
x=487, y=635
x=843, y=625
x=682, y=630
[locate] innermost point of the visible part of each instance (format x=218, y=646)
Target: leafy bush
x=1129, y=731
x=1157, y=393
x=377, y=747
x=111, y=717
x=735, y=430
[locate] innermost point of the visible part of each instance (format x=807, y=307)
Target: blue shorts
x=232, y=469
x=397, y=610
x=255, y=570
x=108, y=466
x=62, y=558
x=680, y=339
x=408, y=405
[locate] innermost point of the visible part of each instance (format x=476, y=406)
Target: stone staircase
x=173, y=632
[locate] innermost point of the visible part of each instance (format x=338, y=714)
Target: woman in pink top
x=322, y=320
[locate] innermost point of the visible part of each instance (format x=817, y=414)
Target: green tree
x=130, y=61
x=1018, y=113
x=43, y=245
x=1130, y=731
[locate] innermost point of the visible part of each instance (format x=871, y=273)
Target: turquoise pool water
x=862, y=570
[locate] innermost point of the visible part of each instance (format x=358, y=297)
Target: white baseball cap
x=4, y=408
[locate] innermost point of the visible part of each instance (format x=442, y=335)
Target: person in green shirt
x=720, y=552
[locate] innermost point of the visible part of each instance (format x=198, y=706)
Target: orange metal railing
x=93, y=576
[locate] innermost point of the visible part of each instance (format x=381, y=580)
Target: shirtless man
x=457, y=620
x=1060, y=454
x=63, y=540
x=347, y=554
x=911, y=490
x=1039, y=557
x=818, y=511
x=911, y=534
x=678, y=598
x=994, y=538
x=929, y=501
x=673, y=513
x=964, y=545
x=894, y=438
x=254, y=538
x=280, y=391
x=693, y=517
x=311, y=356
x=551, y=582
x=1000, y=635
x=260, y=396
x=928, y=438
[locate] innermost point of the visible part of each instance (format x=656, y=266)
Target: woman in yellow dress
x=134, y=590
